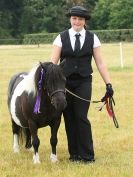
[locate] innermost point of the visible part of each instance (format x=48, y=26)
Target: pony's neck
x=29, y=81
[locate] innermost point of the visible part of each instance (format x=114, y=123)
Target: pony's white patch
x=53, y=158
x=27, y=84
x=36, y=158
x=15, y=143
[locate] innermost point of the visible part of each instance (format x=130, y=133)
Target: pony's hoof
x=37, y=162
x=16, y=149
x=36, y=159
x=53, y=158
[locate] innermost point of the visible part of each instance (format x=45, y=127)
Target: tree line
x=18, y=18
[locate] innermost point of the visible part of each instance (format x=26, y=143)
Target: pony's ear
x=45, y=65
x=41, y=64
x=62, y=64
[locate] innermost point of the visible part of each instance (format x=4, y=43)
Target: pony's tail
x=21, y=136
x=25, y=137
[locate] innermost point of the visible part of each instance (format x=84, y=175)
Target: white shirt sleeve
x=97, y=42
x=57, y=41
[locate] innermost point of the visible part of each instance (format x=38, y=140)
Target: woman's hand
x=109, y=92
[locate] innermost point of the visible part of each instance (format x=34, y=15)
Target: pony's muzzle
x=59, y=104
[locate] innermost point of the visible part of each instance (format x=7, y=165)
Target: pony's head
x=49, y=77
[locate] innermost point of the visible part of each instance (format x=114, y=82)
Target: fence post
x=121, y=55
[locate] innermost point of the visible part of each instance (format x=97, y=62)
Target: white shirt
x=72, y=33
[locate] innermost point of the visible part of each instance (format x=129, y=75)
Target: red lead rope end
x=109, y=110
x=109, y=107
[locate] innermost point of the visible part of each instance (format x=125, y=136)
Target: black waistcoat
x=77, y=62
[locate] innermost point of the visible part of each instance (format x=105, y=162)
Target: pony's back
x=12, y=84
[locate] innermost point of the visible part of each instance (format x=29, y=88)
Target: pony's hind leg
x=16, y=131
x=53, y=140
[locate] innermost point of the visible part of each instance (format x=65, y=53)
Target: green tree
x=5, y=20
x=10, y=15
x=100, y=15
x=42, y=15
x=54, y=19
x=113, y=14
x=121, y=14
x=32, y=16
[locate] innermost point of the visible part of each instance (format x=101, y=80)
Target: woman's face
x=77, y=23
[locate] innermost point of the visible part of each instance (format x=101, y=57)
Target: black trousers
x=77, y=125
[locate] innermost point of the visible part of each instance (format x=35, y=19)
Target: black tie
x=77, y=43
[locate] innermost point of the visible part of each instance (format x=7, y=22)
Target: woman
x=76, y=47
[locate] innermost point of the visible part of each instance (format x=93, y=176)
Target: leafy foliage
x=124, y=18
x=104, y=35
x=33, y=16
x=113, y=14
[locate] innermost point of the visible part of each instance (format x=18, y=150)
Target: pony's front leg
x=28, y=144
x=16, y=131
x=53, y=140
x=35, y=142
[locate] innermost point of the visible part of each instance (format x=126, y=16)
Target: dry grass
x=113, y=147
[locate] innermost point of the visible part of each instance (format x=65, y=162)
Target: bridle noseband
x=56, y=91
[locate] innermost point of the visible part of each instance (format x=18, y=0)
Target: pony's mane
x=28, y=82
x=52, y=74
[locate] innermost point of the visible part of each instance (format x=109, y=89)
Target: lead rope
x=90, y=101
x=108, y=102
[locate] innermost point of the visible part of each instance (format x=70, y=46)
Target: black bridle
x=56, y=91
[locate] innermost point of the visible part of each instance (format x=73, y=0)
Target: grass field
x=113, y=147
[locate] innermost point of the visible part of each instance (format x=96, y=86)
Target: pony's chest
x=47, y=114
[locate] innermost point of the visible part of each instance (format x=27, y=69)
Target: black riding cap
x=78, y=11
